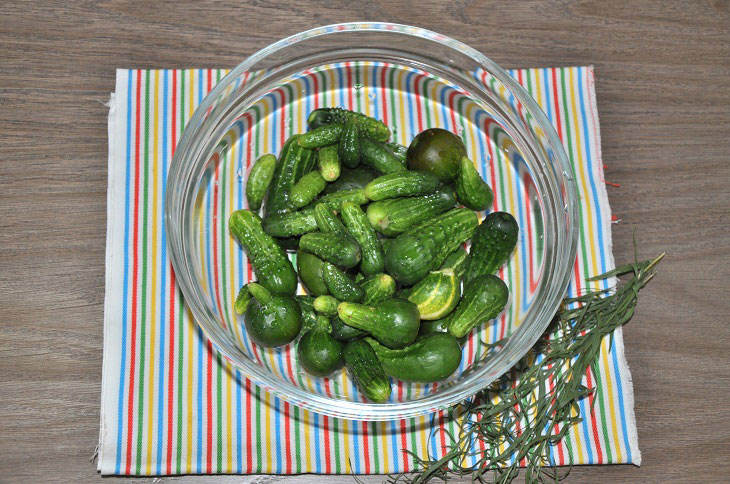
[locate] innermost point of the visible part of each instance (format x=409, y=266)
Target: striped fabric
x=172, y=405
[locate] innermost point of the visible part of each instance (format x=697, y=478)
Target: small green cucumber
x=326, y=305
x=242, y=300
x=401, y=184
x=484, y=298
x=311, y=272
x=290, y=223
x=349, y=148
x=306, y=189
x=329, y=163
x=426, y=246
x=272, y=267
x=458, y=261
x=340, y=250
x=437, y=294
x=319, y=353
x=366, y=370
x=471, y=190
x=369, y=127
x=393, y=322
x=377, y=156
x=259, y=179
x=323, y=136
x=378, y=288
x=328, y=222
x=294, y=163
x=340, y=285
x=272, y=320
x=359, y=227
x=492, y=244
x=430, y=359
x=394, y=216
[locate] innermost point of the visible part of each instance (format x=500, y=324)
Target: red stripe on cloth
x=365, y=447
x=287, y=438
x=417, y=92
x=327, y=456
x=384, y=103
x=404, y=444
x=348, y=70
x=135, y=259
x=171, y=361
x=594, y=425
x=249, y=430
x=209, y=410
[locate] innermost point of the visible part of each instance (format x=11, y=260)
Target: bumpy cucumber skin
x=425, y=247
x=259, y=179
x=340, y=285
x=319, y=353
x=339, y=250
x=311, y=272
x=350, y=149
x=359, y=227
x=369, y=127
x=457, y=261
x=437, y=294
x=430, y=359
x=366, y=370
x=394, y=216
x=492, y=244
x=272, y=267
x=329, y=163
x=294, y=163
x=393, y=322
x=289, y=224
x=242, y=300
x=310, y=318
x=377, y=287
x=377, y=156
x=401, y=184
x=328, y=222
x=322, y=136
x=306, y=189
x=335, y=200
x=484, y=298
x=326, y=305
x=471, y=190
x=272, y=320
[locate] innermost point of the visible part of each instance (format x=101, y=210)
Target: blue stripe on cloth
x=125, y=294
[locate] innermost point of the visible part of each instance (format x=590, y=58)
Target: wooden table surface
x=662, y=70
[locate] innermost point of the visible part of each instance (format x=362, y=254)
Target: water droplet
x=372, y=96
x=239, y=173
x=358, y=86
x=459, y=130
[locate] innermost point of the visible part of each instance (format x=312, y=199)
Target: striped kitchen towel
x=172, y=405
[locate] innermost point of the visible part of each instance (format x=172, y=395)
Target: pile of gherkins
x=379, y=230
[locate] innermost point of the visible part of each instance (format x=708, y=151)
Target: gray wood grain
x=662, y=72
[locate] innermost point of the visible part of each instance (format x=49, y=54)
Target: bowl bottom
x=408, y=100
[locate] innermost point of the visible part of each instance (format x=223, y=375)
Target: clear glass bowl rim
x=520, y=341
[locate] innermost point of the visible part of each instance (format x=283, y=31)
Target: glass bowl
x=411, y=79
